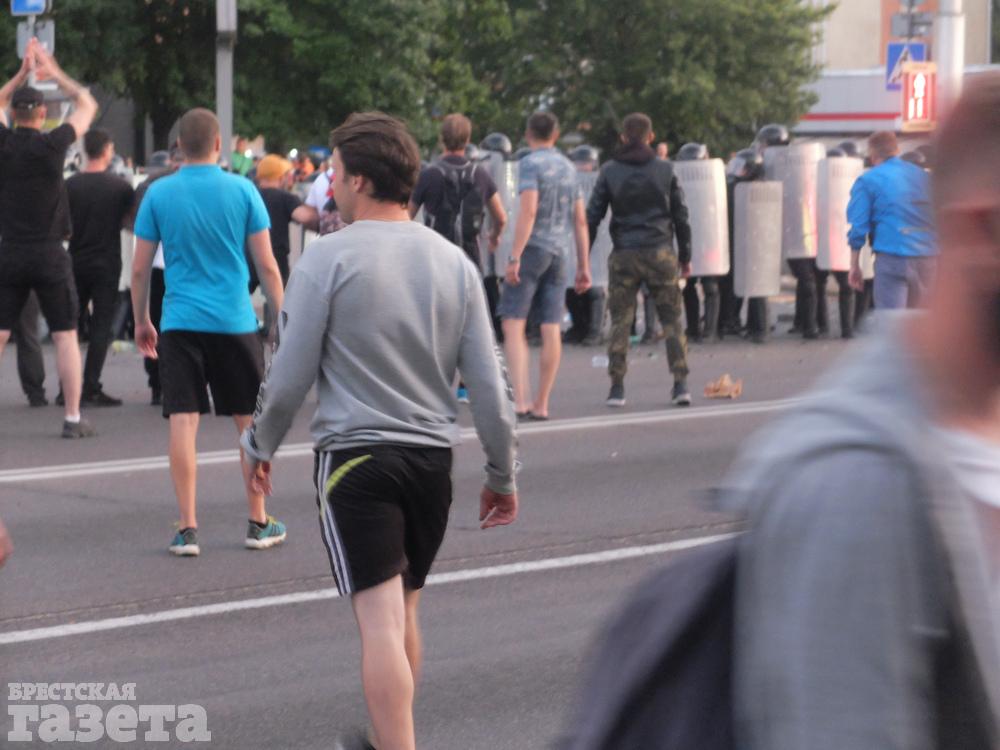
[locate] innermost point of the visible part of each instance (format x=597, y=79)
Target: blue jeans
x=902, y=282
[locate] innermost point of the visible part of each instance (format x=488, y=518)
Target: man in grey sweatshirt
x=868, y=586
x=381, y=316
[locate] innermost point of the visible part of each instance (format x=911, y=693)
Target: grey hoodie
x=864, y=617
x=380, y=316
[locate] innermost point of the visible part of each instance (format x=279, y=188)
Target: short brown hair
x=379, y=147
x=456, y=131
x=636, y=128
x=197, y=132
x=542, y=125
x=883, y=145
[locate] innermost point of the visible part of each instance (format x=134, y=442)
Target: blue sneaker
x=268, y=536
x=463, y=395
x=185, y=543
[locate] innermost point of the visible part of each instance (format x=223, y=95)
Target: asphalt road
x=257, y=639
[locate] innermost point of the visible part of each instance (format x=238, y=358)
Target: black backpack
x=459, y=218
x=661, y=678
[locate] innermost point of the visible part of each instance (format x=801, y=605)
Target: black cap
x=27, y=97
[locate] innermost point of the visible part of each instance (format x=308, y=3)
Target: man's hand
x=686, y=270
x=856, y=278
x=6, y=547
x=46, y=66
x=493, y=242
x=260, y=479
x=146, y=338
x=496, y=509
x=582, y=281
x=513, y=275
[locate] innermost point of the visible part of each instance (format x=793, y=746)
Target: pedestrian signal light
x=919, y=97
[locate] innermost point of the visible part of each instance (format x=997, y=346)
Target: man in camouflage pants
x=647, y=210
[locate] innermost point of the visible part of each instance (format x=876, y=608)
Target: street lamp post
x=949, y=51
x=225, y=26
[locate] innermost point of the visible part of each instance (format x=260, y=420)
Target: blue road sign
x=899, y=54
x=28, y=7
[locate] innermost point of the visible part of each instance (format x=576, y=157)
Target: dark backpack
x=459, y=218
x=661, y=678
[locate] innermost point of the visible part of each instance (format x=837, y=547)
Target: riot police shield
x=600, y=251
x=757, y=250
x=797, y=168
x=704, y=184
x=504, y=174
x=835, y=178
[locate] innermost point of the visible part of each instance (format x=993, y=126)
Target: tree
x=704, y=70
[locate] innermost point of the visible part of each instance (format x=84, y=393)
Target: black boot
x=597, y=297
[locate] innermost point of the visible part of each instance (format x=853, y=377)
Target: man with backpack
x=455, y=193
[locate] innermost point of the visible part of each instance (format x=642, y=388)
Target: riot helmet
x=692, y=152
x=472, y=152
x=772, y=135
x=850, y=148
x=915, y=157
x=521, y=153
x=497, y=142
x=836, y=153
x=747, y=165
x=584, y=155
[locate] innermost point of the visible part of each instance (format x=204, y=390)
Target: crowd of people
x=911, y=541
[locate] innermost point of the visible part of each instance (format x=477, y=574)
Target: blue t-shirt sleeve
x=145, y=223
x=527, y=175
x=257, y=217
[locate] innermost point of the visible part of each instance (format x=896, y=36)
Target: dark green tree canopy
x=706, y=70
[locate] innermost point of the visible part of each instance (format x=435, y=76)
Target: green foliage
x=707, y=70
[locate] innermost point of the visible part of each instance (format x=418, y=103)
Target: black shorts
x=48, y=270
x=191, y=362
x=383, y=512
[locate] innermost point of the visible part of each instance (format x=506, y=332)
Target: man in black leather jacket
x=647, y=210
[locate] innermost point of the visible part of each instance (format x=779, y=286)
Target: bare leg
x=184, y=464
x=255, y=501
x=4, y=338
x=385, y=671
x=548, y=366
x=414, y=642
x=516, y=348
x=70, y=369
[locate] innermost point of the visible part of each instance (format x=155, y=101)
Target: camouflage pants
x=657, y=267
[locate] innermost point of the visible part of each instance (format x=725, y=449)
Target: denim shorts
x=542, y=289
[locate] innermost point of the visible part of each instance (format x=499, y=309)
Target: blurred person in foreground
x=868, y=590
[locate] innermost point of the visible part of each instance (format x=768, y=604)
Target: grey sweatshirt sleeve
x=490, y=395
x=838, y=611
x=294, y=367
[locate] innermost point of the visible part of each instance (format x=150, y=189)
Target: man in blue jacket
x=891, y=204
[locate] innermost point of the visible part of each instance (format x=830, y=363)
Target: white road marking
x=458, y=576
x=154, y=463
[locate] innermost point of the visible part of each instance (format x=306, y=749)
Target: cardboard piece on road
x=724, y=387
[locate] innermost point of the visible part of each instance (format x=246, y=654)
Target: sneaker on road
x=99, y=398
x=616, y=396
x=680, y=396
x=463, y=396
x=185, y=543
x=353, y=741
x=81, y=429
x=267, y=536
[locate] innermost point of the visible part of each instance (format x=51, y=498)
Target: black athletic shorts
x=46, y=268
x=383, y=512
x=191, y=362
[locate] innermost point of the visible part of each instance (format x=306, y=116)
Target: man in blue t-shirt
x=551, y=219
x=204, y=218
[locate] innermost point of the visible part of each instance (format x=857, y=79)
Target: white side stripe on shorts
x=337, y=548
x=323, y=524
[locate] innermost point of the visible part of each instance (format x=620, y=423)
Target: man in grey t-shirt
x=550, y=220
x=387, y=415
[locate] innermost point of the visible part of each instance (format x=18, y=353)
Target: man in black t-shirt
x=274, y=176
x=100, y=205
x=34, y=217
